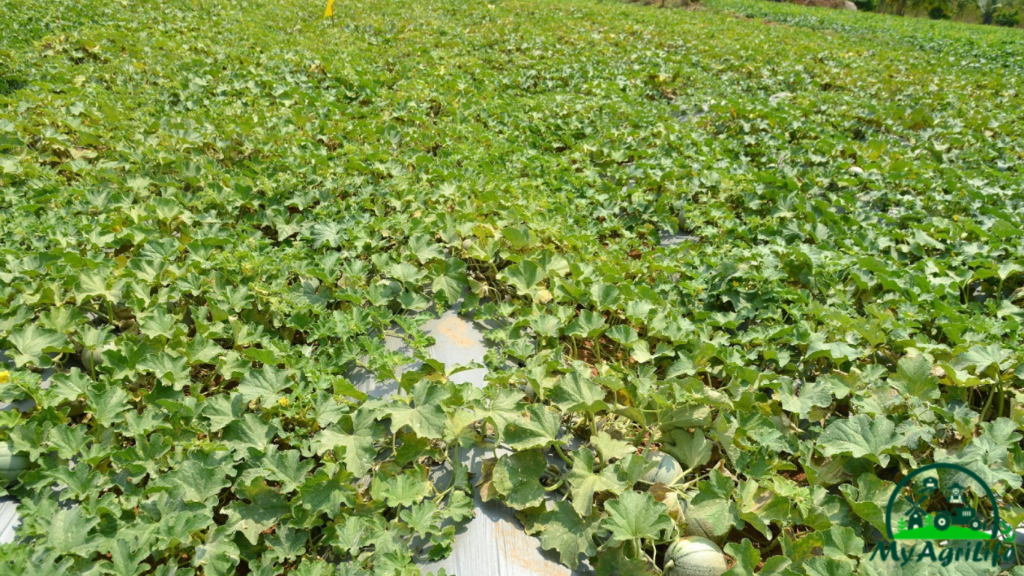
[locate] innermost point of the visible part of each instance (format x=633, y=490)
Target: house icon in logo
x=915, y=519
x=956, y=494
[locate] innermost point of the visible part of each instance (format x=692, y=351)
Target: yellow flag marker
x=329, y=11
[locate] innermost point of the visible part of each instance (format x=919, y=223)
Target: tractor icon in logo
x=960, y=516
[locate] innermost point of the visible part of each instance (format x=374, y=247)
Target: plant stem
x=680, y=477
x=562, y=455
x=556, y=485
x=682, y=487
x=988, y=404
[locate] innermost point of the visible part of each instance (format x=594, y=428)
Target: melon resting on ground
x=694, y=556
x=665, y=470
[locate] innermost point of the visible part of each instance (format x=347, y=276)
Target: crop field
x=781, y=246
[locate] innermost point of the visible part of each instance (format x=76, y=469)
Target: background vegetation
x=212, y=211
x=997, y=12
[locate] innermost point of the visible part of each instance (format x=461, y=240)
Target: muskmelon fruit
x=91, y=359
x=665, y=471
x=697, y=526
x=694, y=556
x=11, y=463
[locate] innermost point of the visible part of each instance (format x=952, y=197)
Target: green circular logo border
x=940, y=466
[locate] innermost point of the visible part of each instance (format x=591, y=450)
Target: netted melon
x=694, y=556
x=91, y=359
x=665, y=471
